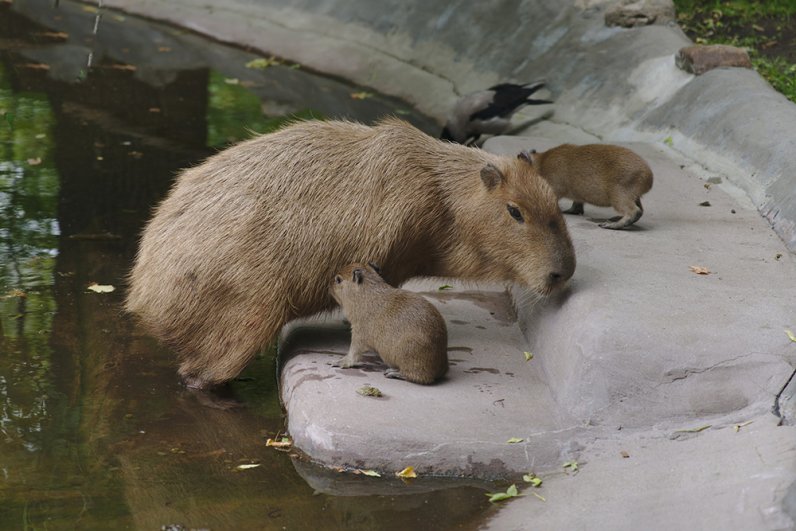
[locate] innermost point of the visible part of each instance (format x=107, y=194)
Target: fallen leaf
x=539, y=496
x=231, y=80
x=741, y=425
x=624, y=454
x=34, y=162
x=284, y=442
x=515, y=440
x=361, y=95
x=247, y=467
x=758, y=27
x=571, y=465
x=704, y=203
x=14, y=294
x=699, y=270
x=707, y=186
x=154, y=109
x=528, y=356
x=58, y=35
x=371, y=473
x=533, y=479
x=408, y=472
x=262, y=63
x=668, y=141
x=123, y=67
x=790, y=335
x=294, y=66
x=511, y=492
x=368, y=390
x=694, y=430
x=444, y=287
x=100, y=288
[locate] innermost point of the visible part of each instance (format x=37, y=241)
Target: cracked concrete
x=640, y=350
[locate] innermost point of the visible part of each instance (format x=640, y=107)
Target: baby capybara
x=599, y=174
x=404, y=329
x=248, y=240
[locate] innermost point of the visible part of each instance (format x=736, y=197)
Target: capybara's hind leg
x=221, y=356
x=576, y=208
x=631, y=212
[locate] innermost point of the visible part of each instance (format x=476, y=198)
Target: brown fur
x=599, y=174
x=249, y=239
x=402, y=327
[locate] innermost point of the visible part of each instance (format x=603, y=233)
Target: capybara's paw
x=615, y=225
x=395, y=374
x=194, y=382
x=345, y=363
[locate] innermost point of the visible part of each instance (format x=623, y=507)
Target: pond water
x=97, y=114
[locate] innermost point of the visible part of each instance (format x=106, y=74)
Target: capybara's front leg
x=576, y=209
x=354, y=356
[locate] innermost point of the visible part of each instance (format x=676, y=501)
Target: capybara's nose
x=563, y=273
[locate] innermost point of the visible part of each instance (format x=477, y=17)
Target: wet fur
x=402, y=327
x=248, y=240
x=599, y=174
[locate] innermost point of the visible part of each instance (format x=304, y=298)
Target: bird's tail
x=530, y=88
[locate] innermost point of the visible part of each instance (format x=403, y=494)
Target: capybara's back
x=247, y=240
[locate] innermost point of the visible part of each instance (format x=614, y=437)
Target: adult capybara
x=600, y=174
x=249, y=239
x=402, y=327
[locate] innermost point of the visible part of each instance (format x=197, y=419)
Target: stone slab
x=457, y=427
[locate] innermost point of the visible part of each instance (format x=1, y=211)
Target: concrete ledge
x=458, y=427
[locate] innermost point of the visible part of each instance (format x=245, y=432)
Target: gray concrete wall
x=617, y=84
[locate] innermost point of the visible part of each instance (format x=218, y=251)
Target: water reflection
x=95, y=430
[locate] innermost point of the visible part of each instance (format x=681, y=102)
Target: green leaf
x=571, y=465
x=511, y=492
x=790, y=335
x=533, y=479
x=668, y=141
x=262, y=63
x=444, y=287
x=514, y=440
x=528, y=355
x=371, y=473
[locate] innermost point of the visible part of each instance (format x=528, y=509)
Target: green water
x=95, y=430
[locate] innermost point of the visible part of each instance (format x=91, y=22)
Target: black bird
x=488, y=112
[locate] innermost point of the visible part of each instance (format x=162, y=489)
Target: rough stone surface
x=632, y=13
x=700, y=58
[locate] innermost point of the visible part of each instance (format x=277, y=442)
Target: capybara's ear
x=338, y=279
x=491, y=176
x=534, y=152
x=375, y=267
x=526, y=156
x=357, y=276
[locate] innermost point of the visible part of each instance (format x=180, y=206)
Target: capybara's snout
x=563, y=267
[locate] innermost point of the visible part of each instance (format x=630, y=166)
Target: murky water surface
x=95, y=430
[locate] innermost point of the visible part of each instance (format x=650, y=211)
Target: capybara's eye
x=515, y=213
x=338, y=279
